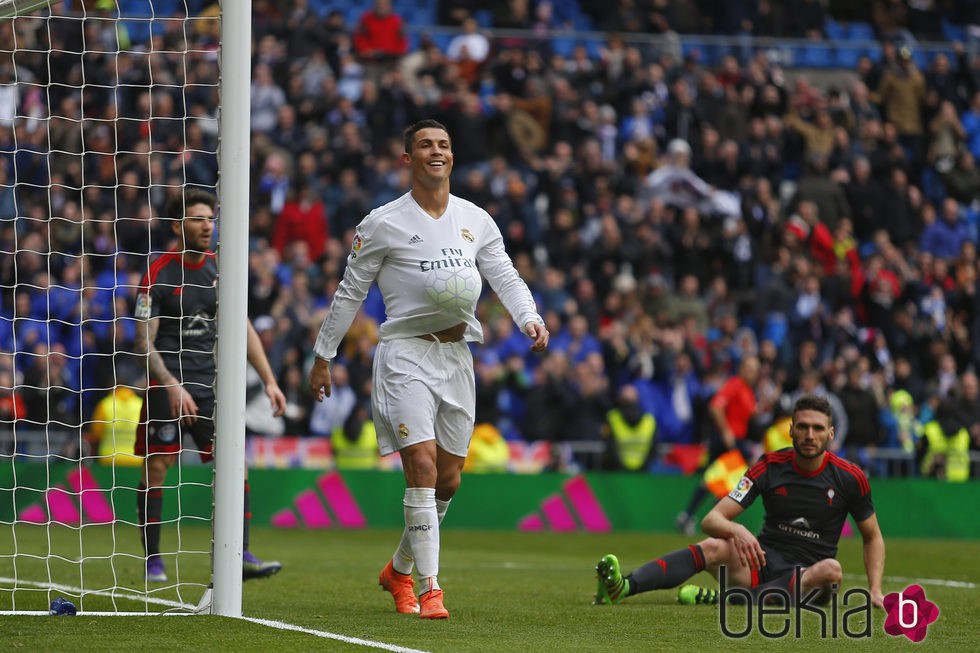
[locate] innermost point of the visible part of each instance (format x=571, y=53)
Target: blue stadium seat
x=321, y=8
x=161, y=8
x=972, y=216
x=168, y=7
x=858, y=31
x=424, y=16
x=137, y=30
x=594, y=48
x=953, y=32
x=563, y=46
x=833, y=30
x=583, y=23
x=932, y=186
x=414, y=12
x=689, y=45
x=814, y=56
x=442, y=40
x=413, y=41
x=484, y=18
x=134, y=7
x=847, y=56
x=566, y=11
x=710, y=53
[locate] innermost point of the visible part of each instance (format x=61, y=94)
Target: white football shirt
x=429, y=272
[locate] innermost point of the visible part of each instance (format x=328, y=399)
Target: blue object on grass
x=61, y=606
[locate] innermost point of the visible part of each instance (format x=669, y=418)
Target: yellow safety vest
x=114, y=422
x=903, y=409
x=632, y=442
x=362, y=453
x=955, y=447
x=488, y=451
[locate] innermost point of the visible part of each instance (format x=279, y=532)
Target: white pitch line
x=941, y=582
x=322, y=633
x=68, y=589
x=280, y=625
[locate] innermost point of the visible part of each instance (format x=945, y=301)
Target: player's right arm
x=368, y=252
x=720, y=522
x=181, y=402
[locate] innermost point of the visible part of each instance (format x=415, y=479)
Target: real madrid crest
x=402, y=431
x=467, y=236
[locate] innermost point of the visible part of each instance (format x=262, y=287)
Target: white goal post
x=107, y=109
x=13, y=8
x=236, y=36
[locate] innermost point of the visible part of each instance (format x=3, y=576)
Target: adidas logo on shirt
x=415, y=240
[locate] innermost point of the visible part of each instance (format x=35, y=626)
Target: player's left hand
x=320, y=379
x=750, y=552
x=539, y=334
x=276, y=398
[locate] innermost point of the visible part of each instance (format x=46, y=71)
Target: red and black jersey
x=184, y=298
x=805, y=511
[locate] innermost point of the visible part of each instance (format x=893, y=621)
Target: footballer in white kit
x=427, y=251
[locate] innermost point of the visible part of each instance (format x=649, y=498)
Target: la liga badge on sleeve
x=741, y=489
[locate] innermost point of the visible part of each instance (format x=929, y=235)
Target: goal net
x=108, y=108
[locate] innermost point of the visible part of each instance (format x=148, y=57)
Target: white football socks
x=422, y=529
x=402, y=561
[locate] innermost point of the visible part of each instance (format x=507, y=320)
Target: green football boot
x=611, y=586
x=697, y=595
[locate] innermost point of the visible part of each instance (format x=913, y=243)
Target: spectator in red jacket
x=806, y=225
x=379, y=36
x=12, y=406
x=303, y=217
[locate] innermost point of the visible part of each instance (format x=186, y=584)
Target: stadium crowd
x=671, y=216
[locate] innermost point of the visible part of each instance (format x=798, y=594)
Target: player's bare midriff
x=452, y=334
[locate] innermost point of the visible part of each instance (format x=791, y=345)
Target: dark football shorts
x=776, y=567
x=160, y=432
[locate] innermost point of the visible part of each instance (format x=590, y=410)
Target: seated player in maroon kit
x=807, y=491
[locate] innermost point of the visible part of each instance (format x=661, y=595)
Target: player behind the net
x=177, y=303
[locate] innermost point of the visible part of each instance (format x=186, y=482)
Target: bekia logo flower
x=909, y=613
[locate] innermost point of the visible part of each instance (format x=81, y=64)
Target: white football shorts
x=423, y=390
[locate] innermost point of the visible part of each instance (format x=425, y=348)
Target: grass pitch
x=506, y=591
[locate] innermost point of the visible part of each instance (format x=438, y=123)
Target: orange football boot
x=402, y=589
x=432, y=607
